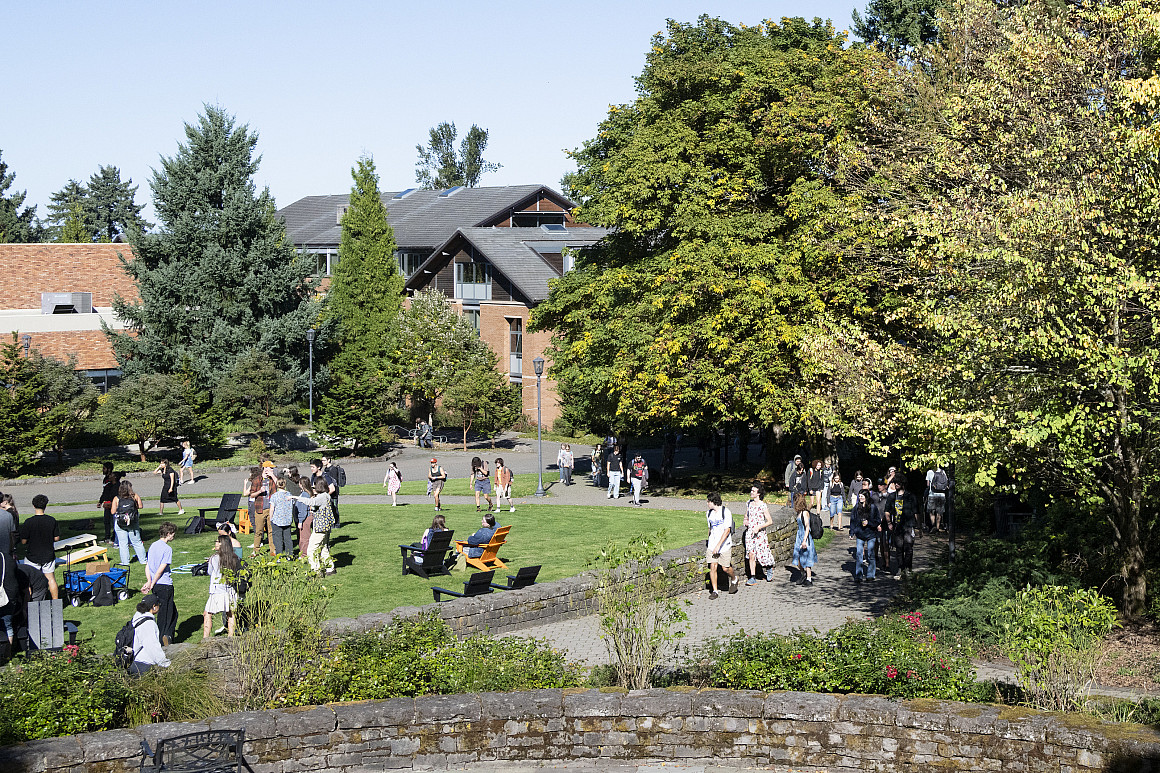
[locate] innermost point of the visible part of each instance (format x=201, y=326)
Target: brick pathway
x=774, y=607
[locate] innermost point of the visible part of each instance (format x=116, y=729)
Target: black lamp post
x=538, y=364
x=310, y=340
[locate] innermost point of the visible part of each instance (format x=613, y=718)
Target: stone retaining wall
x=779, y=731
x=505, y=612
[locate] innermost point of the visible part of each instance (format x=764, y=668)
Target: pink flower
x=891, y=672
x=798, y=656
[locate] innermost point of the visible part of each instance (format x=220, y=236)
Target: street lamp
x=27, y=339
x=310, y=340
x=538, y=364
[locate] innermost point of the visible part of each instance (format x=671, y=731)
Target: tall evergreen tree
x=440, y=166
x=111, y=206
x=16, y=224
x=365, y=298
x=74, y=231
x=898, y=27
x=60, y=210
x=218, y=278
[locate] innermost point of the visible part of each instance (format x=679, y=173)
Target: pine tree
x=365, y=298
x=219, y=277
x=74, y=231
x=111, y=208
x=60, y=209
x=16, y=225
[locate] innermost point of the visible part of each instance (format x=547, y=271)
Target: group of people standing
x=292, y=505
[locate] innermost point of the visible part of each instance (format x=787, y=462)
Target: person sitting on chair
x=481, y=537
x=438, y=523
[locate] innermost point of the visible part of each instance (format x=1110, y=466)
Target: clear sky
x=104, y=82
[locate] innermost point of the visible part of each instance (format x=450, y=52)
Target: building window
x=536, y=219
x=569, y=260
x=409, y=262
x=472, y=282
x=516, y=344
x=324, y=262
x=472, y=316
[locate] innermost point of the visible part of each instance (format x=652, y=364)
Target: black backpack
x=340, y=475
x=816, y=528
x=103, y=595
x=195, y=525
x=939, y=482
x=123, y=653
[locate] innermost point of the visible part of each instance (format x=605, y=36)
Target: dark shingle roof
x=516, y=253
x=420, y=219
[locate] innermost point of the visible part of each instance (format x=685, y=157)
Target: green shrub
x=49, y=695
x=1052, y=634
x=420, y=655
x=894, y=655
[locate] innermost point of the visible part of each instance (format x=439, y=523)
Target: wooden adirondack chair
x=477, y=585
x=437, y=558
x=489, y=559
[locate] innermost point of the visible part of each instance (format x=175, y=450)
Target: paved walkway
x=774, y=607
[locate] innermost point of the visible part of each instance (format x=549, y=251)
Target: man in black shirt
x=614, y=469
x=40, y=534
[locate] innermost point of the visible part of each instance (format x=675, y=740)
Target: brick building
x=61, y=295
x=491, y=250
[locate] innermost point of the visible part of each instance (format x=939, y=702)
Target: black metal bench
x=478, y=585
x=212, y=751
x=523, y=578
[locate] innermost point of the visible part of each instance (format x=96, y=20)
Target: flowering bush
x=893, y=655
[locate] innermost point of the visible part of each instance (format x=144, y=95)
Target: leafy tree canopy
x=18, y=223
x=218, y=276
x=898, y=26
x=440, y=166
x=256, y=394
x=714, y=300
x=145, y=410
x=1015, y=183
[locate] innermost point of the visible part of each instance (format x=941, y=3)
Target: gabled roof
x=420, y=218
x=516, y=252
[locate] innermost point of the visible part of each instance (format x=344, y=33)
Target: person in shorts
x=719, y=547
x=40, y=533
x=159, y=580
x=481, y=477
x=503, y=486
x=436, y=477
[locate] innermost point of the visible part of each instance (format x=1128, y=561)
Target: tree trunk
x=60, y=454
x=1134, y=595
x=142, y=446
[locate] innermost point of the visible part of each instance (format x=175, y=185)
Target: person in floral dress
x=757, y=523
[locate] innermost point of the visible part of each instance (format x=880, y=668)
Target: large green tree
x=714, y=300
x=218, y=277
x=145, y=410
x=1015, y=179
x=898, y=27
x=18, y=223
x=107, y=203
x=63, y=206
x=441, y=166
x=363, y=303
x=66, y=401
x=22, y=435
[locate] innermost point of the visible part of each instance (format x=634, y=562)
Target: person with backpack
x=797, y=481
x=805, y=555
x=11, y=602
x=336, y=476
x=614, y=472
x=836, y=497
x=138, y=644
x=318, y=548
x=903, y=507
x=719, y=546
x=638, y=478
x=393, y=481
x=481, y=481
x=503, y=486
x=224, y=566
x=159, y=580
x=937, y=485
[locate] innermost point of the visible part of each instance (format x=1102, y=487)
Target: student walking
x=436, y=479
x=126, y=506
x=757, y=523
x=719, y=546
x=224, y=566
x=168, y=488
x=481, y=478
x=393, y=481
x=188, y=455
x=503, y=486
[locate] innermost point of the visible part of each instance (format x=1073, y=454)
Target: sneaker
x=808, y=583
x=858, y=579
x=751, y=581
x=512, y=510
x=219, y=631
x=181, y=511
x=870, y=579
x=713, y=595
x=733, y=584
x=769, y=575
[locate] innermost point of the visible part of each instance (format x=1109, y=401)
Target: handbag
x=323, y=519
x=3, y=572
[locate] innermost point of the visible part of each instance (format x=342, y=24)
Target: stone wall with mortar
x=776, y=731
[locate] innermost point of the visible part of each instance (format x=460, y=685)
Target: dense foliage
x=421, y=656
x=18, y=223
x=98, y=211
x=440, y=166
x=893, y=655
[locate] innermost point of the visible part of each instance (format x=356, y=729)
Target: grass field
x=560, y=538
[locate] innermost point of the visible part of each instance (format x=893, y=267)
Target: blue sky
x=94, y=83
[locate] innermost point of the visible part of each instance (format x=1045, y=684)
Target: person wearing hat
x=436, y=477
x=261, y=486
x=147, y=651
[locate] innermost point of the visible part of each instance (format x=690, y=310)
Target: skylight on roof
x=405, y=194
x=556, y=227
x=451, y=191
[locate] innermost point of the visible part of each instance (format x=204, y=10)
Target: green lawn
x=560, y=538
